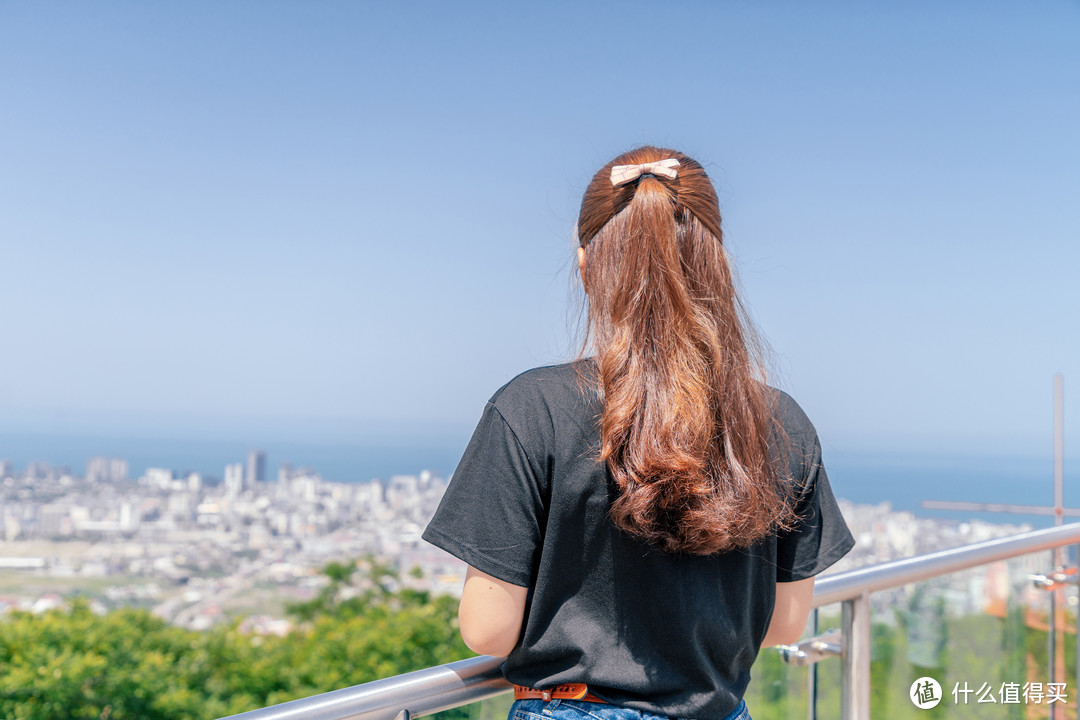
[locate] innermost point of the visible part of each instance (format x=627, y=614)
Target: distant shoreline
x=902, y=479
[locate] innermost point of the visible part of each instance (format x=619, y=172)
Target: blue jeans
x=579, y=710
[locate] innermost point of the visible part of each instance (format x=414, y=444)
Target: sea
x=902, y=479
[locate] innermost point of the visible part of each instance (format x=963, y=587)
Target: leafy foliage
x=365, y=625
x=128, y=664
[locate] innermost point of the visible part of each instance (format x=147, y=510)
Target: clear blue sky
x=336, y=219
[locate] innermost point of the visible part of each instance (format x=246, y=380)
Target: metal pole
x=855, y=674
x=1057, y=596
x=417, y=693
x=1051, y=645
x=844, y=586
x=811, y=711
x=1059, y=447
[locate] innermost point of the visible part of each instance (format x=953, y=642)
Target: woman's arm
x=790, y=611
x=490, y=613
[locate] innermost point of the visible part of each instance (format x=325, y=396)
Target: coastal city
x=198, y=551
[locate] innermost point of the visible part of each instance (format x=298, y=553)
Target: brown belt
x=569, y=691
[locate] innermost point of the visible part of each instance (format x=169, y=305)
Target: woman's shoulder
x=551, y=382
x=544, y=399
x=793, y=419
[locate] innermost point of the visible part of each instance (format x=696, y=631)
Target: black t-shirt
x=665, y=633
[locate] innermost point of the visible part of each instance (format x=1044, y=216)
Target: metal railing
x=459, y=683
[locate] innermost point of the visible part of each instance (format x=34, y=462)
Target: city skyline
x=200, y=553
x=901, y=480
x=342, y=224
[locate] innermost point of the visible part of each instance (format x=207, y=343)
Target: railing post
x=1051, y=623
x=855, y=675
x=811, y=709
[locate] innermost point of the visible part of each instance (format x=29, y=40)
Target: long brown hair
x=687, y=418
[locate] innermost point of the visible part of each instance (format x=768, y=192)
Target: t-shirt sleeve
x=820, y=536
x=493, y=513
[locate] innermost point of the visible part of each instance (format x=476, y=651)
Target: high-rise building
x=99, y=469
x=158, y=478
x=256, y=468
x=284, y=473
x=41, y=471
x=234, y=479
x=118, y=469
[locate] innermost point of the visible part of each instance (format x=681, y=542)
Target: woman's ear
x=581, y=267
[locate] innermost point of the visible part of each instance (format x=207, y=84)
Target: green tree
x=75, y=665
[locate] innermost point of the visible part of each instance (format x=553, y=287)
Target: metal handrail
x=410, y=695
x=466, y=681
x=895, y=573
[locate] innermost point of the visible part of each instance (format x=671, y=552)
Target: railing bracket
x=1061, y=576
x=812, y=650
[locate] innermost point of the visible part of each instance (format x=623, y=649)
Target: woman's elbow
x=790, y=612
x=485, y=640
x=784, y=634
x=491, y=613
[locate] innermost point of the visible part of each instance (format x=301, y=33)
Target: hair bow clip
x=622, y=174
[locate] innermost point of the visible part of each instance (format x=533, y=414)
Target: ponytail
x=687, y=418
